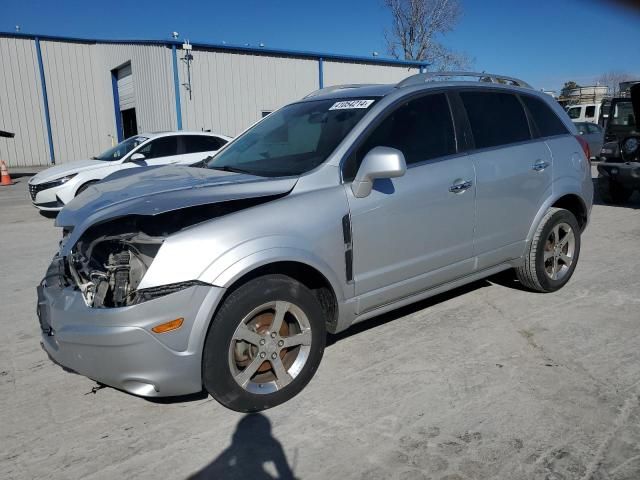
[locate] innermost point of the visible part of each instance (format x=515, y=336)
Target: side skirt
x=349, y=308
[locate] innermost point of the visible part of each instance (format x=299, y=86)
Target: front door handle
x=540, y=165
x=461, y=186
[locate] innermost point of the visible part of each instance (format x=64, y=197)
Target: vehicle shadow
x=46, y=214
x=254, y=454
x=407, y=310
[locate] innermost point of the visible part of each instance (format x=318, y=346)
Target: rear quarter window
x=546, y=121
x=496, y=118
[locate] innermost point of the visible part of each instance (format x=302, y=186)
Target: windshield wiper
x=227, y=168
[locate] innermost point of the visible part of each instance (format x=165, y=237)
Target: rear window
x=590, y=112
x=546, y=121
x=201, y=143
x=496, y=118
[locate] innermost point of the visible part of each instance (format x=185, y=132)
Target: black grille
x=34, y=189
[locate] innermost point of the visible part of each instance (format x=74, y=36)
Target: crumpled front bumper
x=116, y=346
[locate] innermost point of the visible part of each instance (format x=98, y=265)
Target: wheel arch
x=575, y=205
x=569, y=200
x=319, y=278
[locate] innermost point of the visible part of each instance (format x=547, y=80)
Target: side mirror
x=380, y=162
x=137, y=157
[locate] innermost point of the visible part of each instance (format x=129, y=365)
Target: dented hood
x=158, y=190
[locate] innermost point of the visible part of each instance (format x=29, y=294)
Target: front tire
x=264, y=344
x=553, y=252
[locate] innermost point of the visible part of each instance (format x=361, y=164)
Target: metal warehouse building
x=68, y=98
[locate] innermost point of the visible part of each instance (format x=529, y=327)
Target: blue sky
x=544, y=42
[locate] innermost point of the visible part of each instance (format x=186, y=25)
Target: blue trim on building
x=321, y=72
x=176, y=84
x=45, y=100
x=116, y=105
x=231, y=48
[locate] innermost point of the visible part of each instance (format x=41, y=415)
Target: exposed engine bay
x=110, y=259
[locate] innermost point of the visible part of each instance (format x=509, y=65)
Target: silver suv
x=351, y=202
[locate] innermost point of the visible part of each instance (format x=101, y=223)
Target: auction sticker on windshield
x=348, y=104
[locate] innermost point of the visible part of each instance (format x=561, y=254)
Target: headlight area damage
x=110, y=259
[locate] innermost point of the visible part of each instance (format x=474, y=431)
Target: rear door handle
x=540, y=165
x=460, y=187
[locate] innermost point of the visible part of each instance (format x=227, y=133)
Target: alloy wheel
x=270, y=347
x=559, y=250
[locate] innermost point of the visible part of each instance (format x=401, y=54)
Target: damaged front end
x=109, y=260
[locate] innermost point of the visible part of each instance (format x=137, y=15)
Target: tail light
x=585, y=147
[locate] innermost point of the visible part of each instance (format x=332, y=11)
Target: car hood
x=65, y=169
x=152, y=191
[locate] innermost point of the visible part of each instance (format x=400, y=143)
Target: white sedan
x=54, y=187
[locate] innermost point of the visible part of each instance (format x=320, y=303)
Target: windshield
x=121, y=149
x=622, y=114
x=293, y=140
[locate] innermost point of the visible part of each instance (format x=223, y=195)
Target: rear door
x=513, y=171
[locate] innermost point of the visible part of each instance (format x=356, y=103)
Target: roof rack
x=421, y=78
x=333, y=88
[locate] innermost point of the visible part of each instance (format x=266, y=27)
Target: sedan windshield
x=293, y=140
x=121, y=149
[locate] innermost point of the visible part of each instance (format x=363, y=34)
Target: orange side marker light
x=168, y=326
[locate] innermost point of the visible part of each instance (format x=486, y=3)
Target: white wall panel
x=21, y=106
x=230, y=90
x=77, y=104
x=337, y=73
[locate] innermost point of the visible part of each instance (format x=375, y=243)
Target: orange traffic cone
x=5, y=179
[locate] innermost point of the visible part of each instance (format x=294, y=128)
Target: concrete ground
x=485, y=382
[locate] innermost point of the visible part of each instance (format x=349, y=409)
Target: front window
x=622, y=114
x=120, y=150
x=293, y=140
x=574, y=112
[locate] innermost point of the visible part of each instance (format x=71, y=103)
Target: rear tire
x=248, y=363
x=553, y=253
x=612, y=192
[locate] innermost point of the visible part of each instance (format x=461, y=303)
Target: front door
x=416, y=231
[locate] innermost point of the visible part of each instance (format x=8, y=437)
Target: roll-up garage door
x=125, y=88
